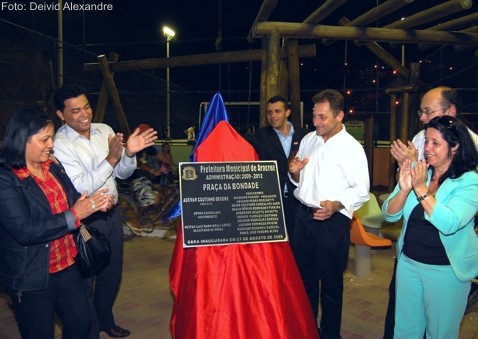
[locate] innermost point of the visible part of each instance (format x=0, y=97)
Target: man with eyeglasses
x=436, y=102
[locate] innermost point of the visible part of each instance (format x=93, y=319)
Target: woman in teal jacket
x=437, y=250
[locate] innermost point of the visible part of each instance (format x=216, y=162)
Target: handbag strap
x=85, y=234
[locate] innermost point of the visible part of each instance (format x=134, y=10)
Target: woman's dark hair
x=23, y=124
x=165, y=144
x=454, y=132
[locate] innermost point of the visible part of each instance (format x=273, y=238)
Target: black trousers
x=103, y=289
x=390, y=316
x=65, y=296
x=290, y=204
x=321, y=251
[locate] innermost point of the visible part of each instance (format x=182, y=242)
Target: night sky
x=133, y=29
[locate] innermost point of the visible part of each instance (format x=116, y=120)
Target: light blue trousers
x=428, y=298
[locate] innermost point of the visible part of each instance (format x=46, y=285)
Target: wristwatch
x=424, y=196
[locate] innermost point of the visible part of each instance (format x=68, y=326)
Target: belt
x=308, y=209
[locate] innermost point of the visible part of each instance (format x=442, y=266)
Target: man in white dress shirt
x=93, y=156
x=332, y=178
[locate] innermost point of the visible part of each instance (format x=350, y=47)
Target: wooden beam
x=110, y=84
x=103, y=97
x=263, y=15
x=372, y=15
x=473, y=29
x=401, y=89
x=308, y=31
x=388, y=59
x=432, y=14
x=377, y=12
x=457, y=23
x=327, y=8
x=305, y=51
x=451, y=25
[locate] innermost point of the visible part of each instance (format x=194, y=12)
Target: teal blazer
x=453, y=216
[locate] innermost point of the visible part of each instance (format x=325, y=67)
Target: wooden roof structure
x=437, y=25
x=444, y=22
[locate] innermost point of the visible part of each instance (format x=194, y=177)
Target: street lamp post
x=169, y=33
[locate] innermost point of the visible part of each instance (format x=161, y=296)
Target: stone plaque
x=231, y=202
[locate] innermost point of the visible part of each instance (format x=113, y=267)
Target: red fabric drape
x=237, y=291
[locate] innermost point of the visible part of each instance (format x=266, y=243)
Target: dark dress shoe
x=117, y=332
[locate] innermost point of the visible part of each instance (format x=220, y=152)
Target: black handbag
x=94, y=251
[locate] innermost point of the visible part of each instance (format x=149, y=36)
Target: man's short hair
x=333, y=97
x=278, y=98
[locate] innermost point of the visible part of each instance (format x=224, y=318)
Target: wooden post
x=103, y=97
x=393, y=136
x=272, y=71
x=294, y=81
x=415, y=83
x=110, y=84
x=368, y=145
x=405, y=126
x=283, y=82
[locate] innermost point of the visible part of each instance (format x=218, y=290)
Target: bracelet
x=424, y=196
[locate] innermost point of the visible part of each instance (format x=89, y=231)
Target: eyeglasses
x=427, y=113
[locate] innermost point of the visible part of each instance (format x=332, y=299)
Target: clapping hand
x=405, y=177
x=115, y=148
x=86, y=206
x=137, y=142
x=419, y=174
x=402, y=152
